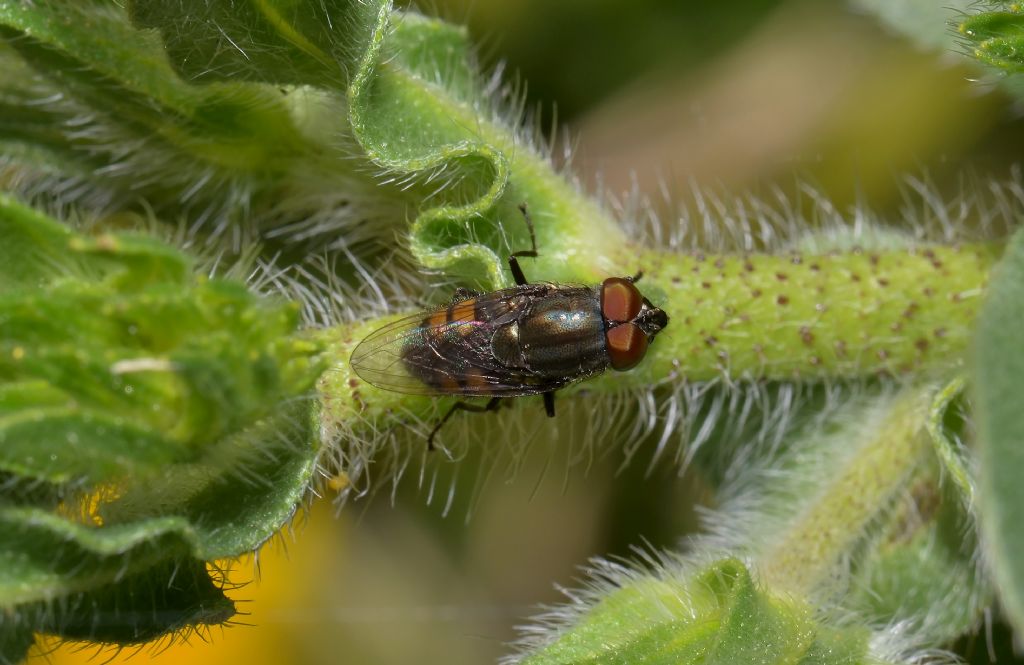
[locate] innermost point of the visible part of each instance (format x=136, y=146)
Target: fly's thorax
x=560, y=335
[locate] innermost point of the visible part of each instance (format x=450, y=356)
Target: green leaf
x=186, y=149
x=121, y=584
x=711, y=616
x=174, y=596
x=999, y=403
x=945, y=427
x=33, y=248
x=922, y=568
x=151, y=419
x=998, y=38
x=274, y=41
x=64, y=445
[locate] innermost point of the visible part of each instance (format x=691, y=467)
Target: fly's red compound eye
x=626, y=345
x=620, y=300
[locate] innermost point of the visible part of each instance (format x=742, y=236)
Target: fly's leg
x=549, y=403
x=513, y=261
x=636, y=278
x=491, y=405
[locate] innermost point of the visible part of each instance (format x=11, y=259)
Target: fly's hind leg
x=513, y=260
x=491, y=405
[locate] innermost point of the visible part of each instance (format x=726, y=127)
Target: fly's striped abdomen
x=449, y=333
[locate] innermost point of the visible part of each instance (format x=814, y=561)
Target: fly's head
x=631, y=322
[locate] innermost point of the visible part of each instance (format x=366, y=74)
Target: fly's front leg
x=491, y=405
x=513, y=261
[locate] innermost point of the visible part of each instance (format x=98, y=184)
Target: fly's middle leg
x=549, y=403
x=491, y=405
x=513, y=261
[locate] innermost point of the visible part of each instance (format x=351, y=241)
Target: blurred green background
x=741, y=96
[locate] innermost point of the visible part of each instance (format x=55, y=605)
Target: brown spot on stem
x=806, y=336
x=782, y=300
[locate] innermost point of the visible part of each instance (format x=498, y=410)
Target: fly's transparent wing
x=378, y=359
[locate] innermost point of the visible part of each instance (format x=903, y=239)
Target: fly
x=530, y=339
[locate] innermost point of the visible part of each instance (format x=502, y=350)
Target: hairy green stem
x=793, y=316
x=798, y=316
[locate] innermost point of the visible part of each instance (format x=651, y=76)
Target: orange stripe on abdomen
x=436, y=319
x=462, y=311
